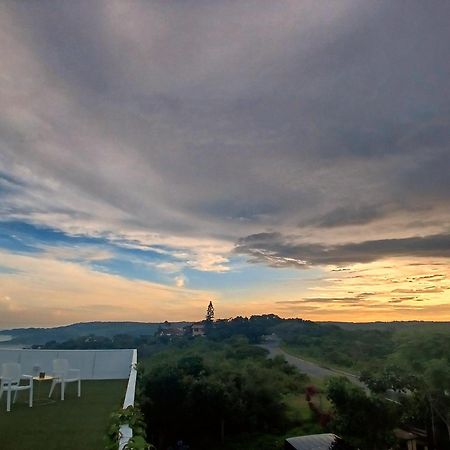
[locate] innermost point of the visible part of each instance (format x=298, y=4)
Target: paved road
x=308, y=367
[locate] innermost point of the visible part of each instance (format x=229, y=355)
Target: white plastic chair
x=63, y=374
x=10, y=382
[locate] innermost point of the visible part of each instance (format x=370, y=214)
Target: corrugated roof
x=314, y=442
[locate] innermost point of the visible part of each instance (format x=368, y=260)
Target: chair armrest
x=29, y=378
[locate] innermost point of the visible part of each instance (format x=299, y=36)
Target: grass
x=298, y=409
x=74, y=424
x=323, y=362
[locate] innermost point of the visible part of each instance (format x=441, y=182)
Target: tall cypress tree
x=209, y=319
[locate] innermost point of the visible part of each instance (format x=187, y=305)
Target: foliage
x=208, y=393
x=389, y=377
x=132, y=417
x=210, y=313
x=252, y=328
x=209, y=319
x=337, y=347
x=419, y=368
x=138, y=443
x=412, y=361
x=146, y=345
x=364, y=421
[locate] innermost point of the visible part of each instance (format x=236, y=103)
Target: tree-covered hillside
x=39, y=336
x=222, y=395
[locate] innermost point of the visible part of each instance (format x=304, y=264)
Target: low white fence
x=93, y=364
x=126, y=433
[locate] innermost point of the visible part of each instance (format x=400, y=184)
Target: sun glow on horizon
x=45, y=291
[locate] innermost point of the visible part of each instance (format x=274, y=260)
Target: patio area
x=76, y=423
x=108, y=384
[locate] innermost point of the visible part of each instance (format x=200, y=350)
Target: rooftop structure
x=327, y=441
x=108, y=384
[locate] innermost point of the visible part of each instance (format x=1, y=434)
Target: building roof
x=327, y=441
x=410, y=433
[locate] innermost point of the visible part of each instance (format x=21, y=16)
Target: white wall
x=94, y=364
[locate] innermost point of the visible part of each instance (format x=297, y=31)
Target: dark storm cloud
x=279, y=251
x=349, y=216
x=350, y=300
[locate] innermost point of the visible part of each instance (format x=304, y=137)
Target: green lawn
x=74, y=424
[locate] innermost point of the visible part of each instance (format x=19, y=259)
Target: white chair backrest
x=11, y=371
x=60, y=366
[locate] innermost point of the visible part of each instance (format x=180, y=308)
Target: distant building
x=412, y=438
x=198, y=329
x=327, y=441
x=168, y=330
x=195, y=329
x=171, y=332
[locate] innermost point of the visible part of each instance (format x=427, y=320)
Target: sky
x=288, y=157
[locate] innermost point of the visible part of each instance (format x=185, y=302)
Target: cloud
x=360, y=298
x=150, y=120
x=85, y=253
x=307, y=134
x=48, y=291
x=280, y=251
x=427, y=290
x=349, y=216
x=180, y=281
x=380, y=290
x=318, y=300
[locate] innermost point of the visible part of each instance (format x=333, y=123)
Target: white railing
x=126, y=433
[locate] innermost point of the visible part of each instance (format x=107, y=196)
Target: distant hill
x=391, y=326
x=29, y=336
x=39, y=336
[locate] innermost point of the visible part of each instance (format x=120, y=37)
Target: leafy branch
x=132, y=417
